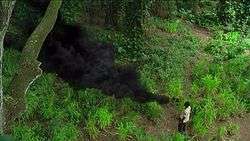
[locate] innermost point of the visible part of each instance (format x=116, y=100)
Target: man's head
x=186, y=104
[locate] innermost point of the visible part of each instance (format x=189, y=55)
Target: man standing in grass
x=184, y=118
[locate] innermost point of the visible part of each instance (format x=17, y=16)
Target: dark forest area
x=124, y=70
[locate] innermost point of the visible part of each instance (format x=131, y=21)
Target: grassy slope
x=57, y=112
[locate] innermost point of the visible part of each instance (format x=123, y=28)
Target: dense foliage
x=172, y=59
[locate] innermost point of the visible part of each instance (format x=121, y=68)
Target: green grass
x=210, y=83
x=24, y=132
x=220, y=84
x=65, y=131
x=226, y=46
x=152, y=110
x=228, y=130
x=218, y=89
x=175, y=89
x=125, y=130
x=228, y=104
x=91, y=128
x=57, y=112
x=205, y=116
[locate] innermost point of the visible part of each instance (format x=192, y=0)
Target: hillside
x=130, y=81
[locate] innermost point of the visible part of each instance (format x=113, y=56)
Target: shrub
x=226, y=46
x=24, y=14
x=48, y=110
x=72, y=10
x=125, y=130
x=147, y=81
x=232, y=37
x=238, y=71
x=162, y=137
x=122, y=44
x=92, y=128
x=65, y=132
x=201, y=69
x=104, y=117
x=227, y=104
x=224, y=82
x=195, y=90
x=89, y=98
x=22, y=132
x=32, y=102
x=172, y=26
x=232, y=129
x=142, y=136
x=243, y=87
x=126, y=105
x=41, y=95
x=175, y=89
x=234, y=14
x=152, y=110
x=198, y=124
x=217, y=70
x=43, y=85
x=211, y=83
x=73, y=111
x=164, y=9
x=243, y=92
x=222, y=132
x=131, y=117
x=238, y=67
x=98, y=118
x=178, y=137
x=204, y=116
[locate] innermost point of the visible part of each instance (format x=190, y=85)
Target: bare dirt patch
x=202, y=33
x=167, y=124
x=244, y=123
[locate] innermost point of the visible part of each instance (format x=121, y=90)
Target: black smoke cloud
x=39, y=4
x=68, y=52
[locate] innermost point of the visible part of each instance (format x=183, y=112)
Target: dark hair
x=186, y=104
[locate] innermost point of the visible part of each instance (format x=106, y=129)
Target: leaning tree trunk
x=29, y=70
x=6, y=8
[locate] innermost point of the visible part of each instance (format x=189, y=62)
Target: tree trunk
x=111, y=12
x=6, y=8
x=195, y=7
x=29, y=70
x=135, y=14
x=221, y=7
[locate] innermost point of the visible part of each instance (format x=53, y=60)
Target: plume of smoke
x=68, y=52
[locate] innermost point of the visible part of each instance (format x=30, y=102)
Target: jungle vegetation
x=75, y=70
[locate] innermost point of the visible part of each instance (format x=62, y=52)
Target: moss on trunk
x=6, y=8
x=29, y=65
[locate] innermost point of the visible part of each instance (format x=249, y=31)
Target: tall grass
x=220, y=84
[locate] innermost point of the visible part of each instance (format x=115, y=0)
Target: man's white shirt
x=186, y=115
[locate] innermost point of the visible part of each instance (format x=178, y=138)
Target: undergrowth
x=219, y=88
x=220, y=85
